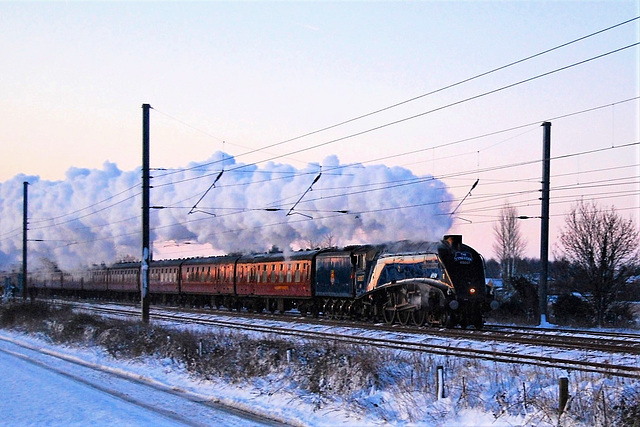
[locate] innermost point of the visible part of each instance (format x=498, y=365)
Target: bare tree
x=509, y=246
x=312, y=243
x=328, y=240
x=602, y=248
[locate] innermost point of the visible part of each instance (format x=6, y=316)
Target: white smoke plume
x=94, y=216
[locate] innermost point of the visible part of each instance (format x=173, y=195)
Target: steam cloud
x=94, y=216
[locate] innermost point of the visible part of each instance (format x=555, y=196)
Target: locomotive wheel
x=338, y=308
x=404, y=316
x=326, y=308
x=419, y=317
x=389, y=314
x=331, y=308
x=389, y=309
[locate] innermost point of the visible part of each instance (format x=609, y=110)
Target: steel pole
x=146, y=257
x=544, y=226
x=24, y=238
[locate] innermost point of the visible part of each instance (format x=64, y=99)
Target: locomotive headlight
x=472, y=291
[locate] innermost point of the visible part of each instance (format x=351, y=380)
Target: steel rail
x=557, y=362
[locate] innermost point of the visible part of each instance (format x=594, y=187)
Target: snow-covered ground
x=401, y=390
x=476, y=393
x=44, y=385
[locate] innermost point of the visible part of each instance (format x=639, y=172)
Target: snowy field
x=403, y=392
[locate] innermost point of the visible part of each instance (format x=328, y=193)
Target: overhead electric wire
x=33, y=220
x=481, y=201
x=86, y=215
x=496, y=217
x=536, y=179
x=444, y=107
x=401, y=120
x=10, y=233
x=489, y=169
x=532, y=124
x=333, y=215
x=428, y=94
x=471, y=98
x=535, y=123
x=501, y=196
x=473, y=211
x=443, y=145
x=420, y=180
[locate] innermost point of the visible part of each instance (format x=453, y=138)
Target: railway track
x=595, y=341
x=619, y=357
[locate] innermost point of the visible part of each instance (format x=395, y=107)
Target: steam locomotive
x=436, y=283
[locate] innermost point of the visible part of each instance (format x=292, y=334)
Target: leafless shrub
x=627, y=410
x=27, y=316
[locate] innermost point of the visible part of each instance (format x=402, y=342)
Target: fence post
x=439, y=382
x=563, y=394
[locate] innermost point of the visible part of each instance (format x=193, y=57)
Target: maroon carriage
x=98, y=280
x=275, y=275
x=124, y=279
x=164, y=277
x=208, y=276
